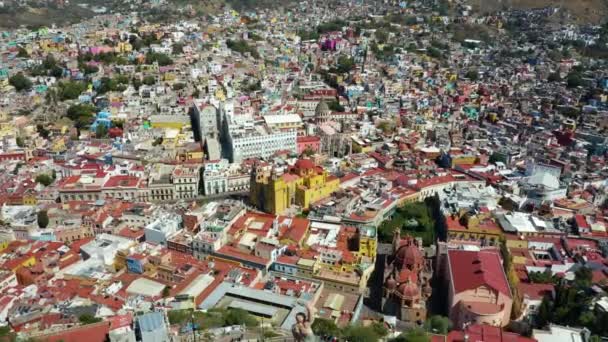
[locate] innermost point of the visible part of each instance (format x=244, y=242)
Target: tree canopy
x=42, y=219
x=325, y=327
x=20, y=82
x=44, y=179
x=82, y=114
x=242, y=47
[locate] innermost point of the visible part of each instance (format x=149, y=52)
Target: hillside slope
x=582, y=11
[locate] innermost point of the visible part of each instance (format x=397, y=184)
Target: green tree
x=178, y=316
x=160, y=58
x=179, y=86
x=19, y=141
x=88, y=319
x=149, y=80
x=583, y=277
x=335, y=106
x=554, y=77
x=70, y=90
x=381, y=36
x=325, y=327
x=358, y=333
x=242, y=47
x=587, y=319
x=433, y=52
x=136, y=82
x=22, y=53
x=177, y=48
x=379, y=329
x=472, y=75
x=20, y=82
x=438, y=324
x=101, y=131
x=49, y=62
x=56, y=71
x=541, y=277
x=43, y=219
x=88, y=68
x=574, y=80
x=42, y=131
x=166, y=291
x=308, y=152
x=44, y=179
x=240, y=317
x=544, y=313
x=345, y=64
x=82, y=114
x=497, y=157
x=385, y=127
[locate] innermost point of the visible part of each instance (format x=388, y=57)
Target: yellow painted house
x=123, y=47
x=3, y=245
x=306, y=184
x=480, y=227
x=16, y=264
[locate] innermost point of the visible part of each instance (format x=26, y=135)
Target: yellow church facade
x=305, y=184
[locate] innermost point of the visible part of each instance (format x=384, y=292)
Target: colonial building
x=303, y=184
x=478, y=290
x=406, y=287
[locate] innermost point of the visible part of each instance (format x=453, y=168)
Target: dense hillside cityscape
x=342, y=170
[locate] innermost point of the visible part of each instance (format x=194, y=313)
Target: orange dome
x=408, y=290
x=406, y=275
x=304, y=164
x=409, y=255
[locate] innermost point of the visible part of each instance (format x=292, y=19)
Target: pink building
x=478, y=292
x=308, y=142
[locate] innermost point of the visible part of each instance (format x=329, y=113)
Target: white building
x=257, y=141
x=557, y=333
x=186, y=181
x=164, y=227
x=105, y=247
x=207, y=116
x=221, y=176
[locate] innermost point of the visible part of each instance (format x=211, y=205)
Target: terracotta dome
x=406, y=275
x=408, y=290
x=391, y=284
x=304, y=164
x=409, y=255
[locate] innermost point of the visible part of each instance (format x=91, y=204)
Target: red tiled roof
x=305, y=139
x=237, y=254
x=304, y=164
x=122, y=181
x=581, y=222
x=472, y=269
x=486, y=333
x=297, y=230
x=535, y=291
x=96, y=332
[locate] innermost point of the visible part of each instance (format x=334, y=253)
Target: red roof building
x=485, y=333
x=479, y=291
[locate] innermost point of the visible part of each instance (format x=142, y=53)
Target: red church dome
x=409, y=256
x=408, y=290
x=406, y=275
x=391, y=284
x=304, y=164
